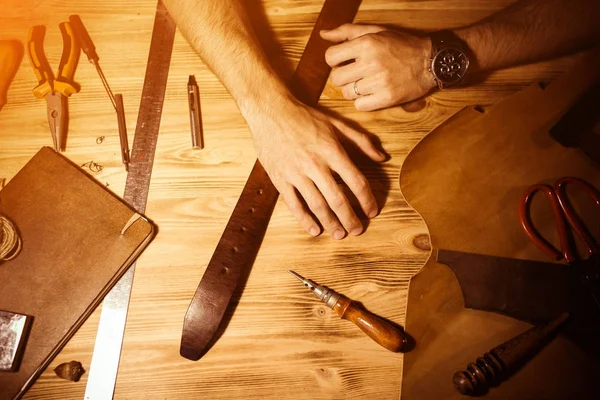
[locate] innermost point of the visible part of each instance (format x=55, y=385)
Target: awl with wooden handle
x=378, y=329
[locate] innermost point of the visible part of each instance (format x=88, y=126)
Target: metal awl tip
x=300, y=277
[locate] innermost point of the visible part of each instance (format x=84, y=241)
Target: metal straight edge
x=109, y=339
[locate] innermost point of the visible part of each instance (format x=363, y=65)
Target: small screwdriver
x=378, y=329
x=87, y=46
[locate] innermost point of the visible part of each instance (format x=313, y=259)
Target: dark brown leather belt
x=246, y=228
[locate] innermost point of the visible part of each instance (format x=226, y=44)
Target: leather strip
x=243, y=235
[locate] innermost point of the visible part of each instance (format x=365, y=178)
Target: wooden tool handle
x=11, y=52
x=378, y=329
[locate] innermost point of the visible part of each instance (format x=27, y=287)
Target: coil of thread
x=10, y=241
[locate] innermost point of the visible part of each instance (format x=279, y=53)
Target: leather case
x=78, y=240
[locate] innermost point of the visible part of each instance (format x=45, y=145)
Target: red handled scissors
x=568, y=221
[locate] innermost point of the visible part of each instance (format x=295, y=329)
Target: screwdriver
x=11, y=52
x=378, y=329
x=87, y=46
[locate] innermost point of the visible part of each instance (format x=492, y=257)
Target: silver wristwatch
x=449, y=59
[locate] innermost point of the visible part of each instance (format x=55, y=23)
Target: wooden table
x=281, y=342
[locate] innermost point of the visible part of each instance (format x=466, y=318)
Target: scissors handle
x=566, y=251
x=592, y=244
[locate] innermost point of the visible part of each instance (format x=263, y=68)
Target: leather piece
x=466, y=178
x=73, y=253
x=237, y=248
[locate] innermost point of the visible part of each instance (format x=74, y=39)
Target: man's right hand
x=300, y=147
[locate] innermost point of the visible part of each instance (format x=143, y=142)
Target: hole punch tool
x=55, y=89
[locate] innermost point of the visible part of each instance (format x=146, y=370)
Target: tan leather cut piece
x=466, y=178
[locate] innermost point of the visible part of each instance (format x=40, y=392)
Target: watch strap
x=443, y=39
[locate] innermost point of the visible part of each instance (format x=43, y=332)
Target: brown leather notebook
x=78, y=239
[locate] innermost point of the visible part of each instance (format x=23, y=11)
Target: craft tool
x=566, y=217
x=122, y=131
x=495, y=365
x=13, y=335
x=239, y=244
x=195, y=113
x=87, y=46
x=55, y=89
x=109, y=340
x=11, y=52
x=381, y=331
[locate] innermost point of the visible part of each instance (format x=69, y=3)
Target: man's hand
x=300, y=148
x=385, y=67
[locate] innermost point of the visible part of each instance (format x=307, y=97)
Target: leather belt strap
x=238, y=247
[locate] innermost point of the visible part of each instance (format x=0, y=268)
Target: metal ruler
x=109, y=339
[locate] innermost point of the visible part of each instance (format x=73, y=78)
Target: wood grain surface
x=281, y=342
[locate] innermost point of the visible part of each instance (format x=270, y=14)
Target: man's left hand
x=377, y=67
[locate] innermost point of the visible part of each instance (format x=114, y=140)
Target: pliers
x=56, y=89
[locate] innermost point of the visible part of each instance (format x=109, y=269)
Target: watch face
x=449, y=65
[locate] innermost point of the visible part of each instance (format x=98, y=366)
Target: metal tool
x=566, y=216
x=11, y=52
x=109, y=340
x=248, y=223
x=381, y=331
x=14, y=329
x=55, y=90
x=195, y=113
x=498, y=363
x=87, y=46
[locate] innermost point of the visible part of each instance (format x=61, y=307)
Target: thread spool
x=10, y=241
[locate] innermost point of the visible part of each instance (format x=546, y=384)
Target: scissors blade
x=57, y=108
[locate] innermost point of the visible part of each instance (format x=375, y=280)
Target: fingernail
x=339, y=234
x=373, y=213
x=356, y=231
x=314, y=231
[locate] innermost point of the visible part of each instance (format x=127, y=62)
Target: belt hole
x=243, y=229
x=251, y=210
x=259, y=191
x=235, y=249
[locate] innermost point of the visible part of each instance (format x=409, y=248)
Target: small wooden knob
x=378, y=329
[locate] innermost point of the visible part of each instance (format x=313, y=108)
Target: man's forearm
x=221, y=34
x=533, y=30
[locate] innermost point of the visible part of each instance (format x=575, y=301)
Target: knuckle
x=337, y=201
x=361, y=184
x=388, y=97
x=360, y=105
x=319, y=206
x=387, y=78
x=347, y=92
x=336, y=78
x=329, y=55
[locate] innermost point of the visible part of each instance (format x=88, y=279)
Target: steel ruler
x=109, y=339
